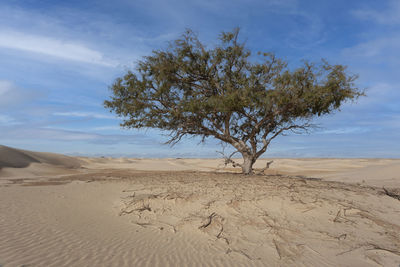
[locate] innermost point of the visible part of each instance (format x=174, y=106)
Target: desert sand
x=64, y=211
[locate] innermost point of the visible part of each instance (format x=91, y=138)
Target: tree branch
x=229, y=160
x=267, y=141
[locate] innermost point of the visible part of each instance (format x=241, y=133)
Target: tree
x=188, y=89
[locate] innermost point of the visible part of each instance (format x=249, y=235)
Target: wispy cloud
x=273, y=5
x=12, y=95
x=382, y=95
x=7, y=120
x=106, y=128
x=346, y=130
x=49, y=46
x=390, y=15
x=380, y=47
x=20, y=132
x=83, y=114
x=79, y=34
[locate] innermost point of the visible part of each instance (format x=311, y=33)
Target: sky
x=59, y=58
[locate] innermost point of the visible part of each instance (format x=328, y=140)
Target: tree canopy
x=227, y=93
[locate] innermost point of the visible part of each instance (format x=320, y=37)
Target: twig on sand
x=212, y=215
x=340, y=217
x=220, y=232
x=228, y=159
x=127, y=190
x=261, y=171
x=304, y=211
x=337, y=216
x=347, y=251
x=130, y=196
x=371, y=247
x=219, y=235
x=145, y=207
x=267, y=165
x=238, y=251
x=391, y=194
x=244, y=254
x=277, y=249
x=376, y=247
x=144, y=225
x=123, y=212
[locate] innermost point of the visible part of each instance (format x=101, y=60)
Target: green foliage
x=189, y=89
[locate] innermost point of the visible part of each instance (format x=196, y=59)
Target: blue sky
x=58, y=58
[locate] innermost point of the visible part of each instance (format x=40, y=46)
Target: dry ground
x=62, y=211
x=169, y=218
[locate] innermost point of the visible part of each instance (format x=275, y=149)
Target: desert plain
x=76, y=211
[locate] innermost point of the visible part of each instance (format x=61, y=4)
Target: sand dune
x=17, y=163
x=374, y=172
x=62, y=211
x=16, y=158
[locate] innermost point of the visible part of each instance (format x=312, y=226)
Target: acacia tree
x=226, y=93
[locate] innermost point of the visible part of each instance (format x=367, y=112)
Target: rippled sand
x=193, y=212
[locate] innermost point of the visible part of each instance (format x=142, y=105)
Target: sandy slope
x=17, y=163
x=78, y=225
x=188, y=212
x=375, y=172
x=17, y=158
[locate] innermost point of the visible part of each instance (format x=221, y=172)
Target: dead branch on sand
x=371, y=247
x=209, y=221
x=229, y=160
x=337, y=216
x=391, y=193
x=376, y=247
x=277, y=249
x=261, y=171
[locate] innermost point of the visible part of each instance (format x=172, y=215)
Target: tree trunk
x=247, y=166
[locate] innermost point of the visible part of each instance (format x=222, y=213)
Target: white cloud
x=84, y=114
x=12, y=95
x=223, y=4
x=382, y=47
x=106, y=128
x=382, y=94
x=5, y=88
x=5, y=119
x=49, y=46
x=346, y=130
x=22, y=132
x=389, y=16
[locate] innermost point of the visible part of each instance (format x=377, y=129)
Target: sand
x=195, y=212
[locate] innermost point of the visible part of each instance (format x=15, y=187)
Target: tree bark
x=247, y=166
